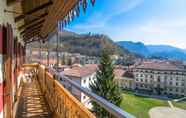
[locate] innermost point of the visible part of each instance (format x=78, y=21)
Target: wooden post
x=6, y=71
x=57, y=50
x=1, y=73
x=40, y=51
x=48, y=51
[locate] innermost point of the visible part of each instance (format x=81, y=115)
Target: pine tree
x=105, y=86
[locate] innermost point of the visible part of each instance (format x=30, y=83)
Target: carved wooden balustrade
x=62, y=104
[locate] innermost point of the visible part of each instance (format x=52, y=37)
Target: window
x=170, y=83
x=158, y=78
x=84, y=81
x=182, y=84
x=151, y=76
x=84, y=97
x=176, y=90
x=141, y=75
x=176, y=83
x=170, y=89
x=136, y=79
x=141, y=80
x=165, y=88
x=136, y=75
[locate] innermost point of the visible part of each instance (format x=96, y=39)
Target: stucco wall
x=8, y=17
x=4, y=19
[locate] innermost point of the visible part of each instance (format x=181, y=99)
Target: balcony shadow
x=32, y=103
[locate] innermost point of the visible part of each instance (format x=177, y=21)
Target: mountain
x=154, y=51
x=86, y=44
x=90, y=44
x=160, y=48
x=138, y=48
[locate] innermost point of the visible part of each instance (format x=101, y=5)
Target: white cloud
x=166, y=27
x=171, y=32
x=101, y=19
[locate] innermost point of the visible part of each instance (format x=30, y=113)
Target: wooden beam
x=10, y=2
x=26, y=37
x=20, y=17
x=32, y=40
x=32, y=21
x=34, y=25
x=31, y=29
x=31, y=33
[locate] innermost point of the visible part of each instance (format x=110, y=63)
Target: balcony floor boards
x=32, y=103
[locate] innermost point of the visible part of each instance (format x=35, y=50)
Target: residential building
x=160, y=77
x=83, y=75
x=124, y=79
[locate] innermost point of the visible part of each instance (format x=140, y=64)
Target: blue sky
x=149, y=21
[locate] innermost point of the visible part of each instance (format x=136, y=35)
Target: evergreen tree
x=105, y=86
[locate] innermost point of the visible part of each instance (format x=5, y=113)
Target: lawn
x=181, y=105
x=139, y=106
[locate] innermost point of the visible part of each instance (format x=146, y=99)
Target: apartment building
x=124, y=79
x=83, y=75
x=160, y=77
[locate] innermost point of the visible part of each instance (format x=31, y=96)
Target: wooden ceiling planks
x=31, y=22
x=37, y=27
x=43, y=6
x=52, y=11
x=60, y=13
x=34, y=24
x=31, y=34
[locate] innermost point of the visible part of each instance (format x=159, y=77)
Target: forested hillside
x=86, y=44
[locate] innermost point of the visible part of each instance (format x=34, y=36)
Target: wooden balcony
x=43, y=96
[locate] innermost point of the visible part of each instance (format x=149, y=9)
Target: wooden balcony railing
x=62, y=104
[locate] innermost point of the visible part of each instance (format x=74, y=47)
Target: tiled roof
x=123, y=73
x=158, y=65
x=119, y=72
x=81, y=71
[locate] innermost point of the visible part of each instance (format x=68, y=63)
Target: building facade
x=124, y=79
x=162, y=78
x=83, y=75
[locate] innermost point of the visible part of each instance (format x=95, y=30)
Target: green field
x=140, y=106
x=181, y=105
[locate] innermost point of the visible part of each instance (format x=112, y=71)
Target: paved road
x=167, y=112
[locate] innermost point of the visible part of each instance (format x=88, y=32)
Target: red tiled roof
x=119, y=72
x=81, y=71
x=161, y=65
